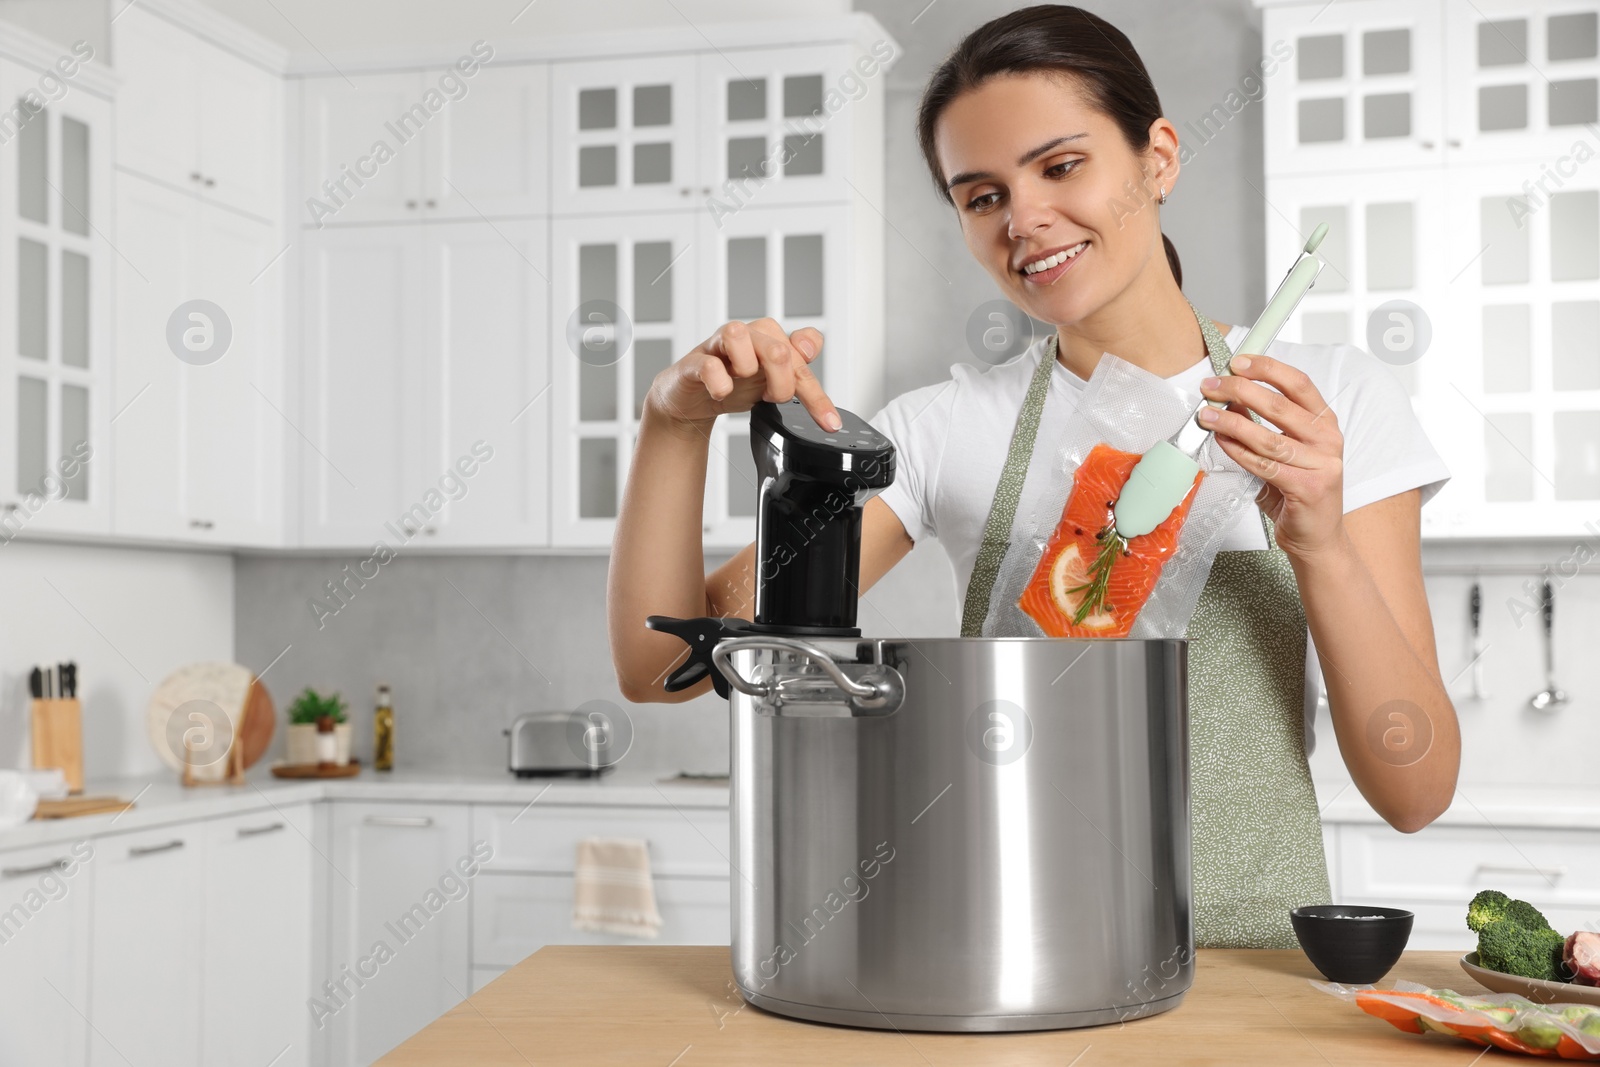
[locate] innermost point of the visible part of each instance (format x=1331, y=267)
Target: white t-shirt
x=951, y=441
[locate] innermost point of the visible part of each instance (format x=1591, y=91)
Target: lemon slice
x=1067, y=572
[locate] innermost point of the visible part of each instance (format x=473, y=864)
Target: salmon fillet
x=1073, y=547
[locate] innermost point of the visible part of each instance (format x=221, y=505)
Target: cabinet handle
x=1543, y=872
x=433, y=203
x=411, y=205
x=210, y=182
x=1453, y=143
x=256, y=831
x=430, y=530
x=194, y=175
x=1427, y=145
x=418, y=822
x=21, y=872
x=201, y=524
x=8, y=506
x=150, y=850
x=685, y=191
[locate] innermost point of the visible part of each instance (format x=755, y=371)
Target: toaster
x=550, y=744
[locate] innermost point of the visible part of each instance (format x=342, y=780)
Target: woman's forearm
x=1395, y=723
x=657, y=559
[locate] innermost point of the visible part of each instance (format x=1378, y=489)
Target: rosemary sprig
x=1112, y=545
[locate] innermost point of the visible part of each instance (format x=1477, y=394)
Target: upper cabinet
x=466, y=141
x=1446, y=146
x=55, y=258
x=197, y=116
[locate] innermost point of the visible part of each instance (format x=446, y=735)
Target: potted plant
x=307, y=708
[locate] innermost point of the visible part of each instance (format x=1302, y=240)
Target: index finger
x=809, y=390
x=1291, y=381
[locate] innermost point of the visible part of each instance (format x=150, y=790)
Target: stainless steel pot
x=960, y=833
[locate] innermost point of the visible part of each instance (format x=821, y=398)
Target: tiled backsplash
x=469, y=642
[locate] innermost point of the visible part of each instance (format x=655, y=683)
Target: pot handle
x=879, y=693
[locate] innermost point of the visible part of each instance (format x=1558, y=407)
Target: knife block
x=58, y=739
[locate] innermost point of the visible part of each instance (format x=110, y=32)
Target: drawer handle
x=256, y=831
x=420, y=822
x=1550, y=873
x=151, y=850
x=22, y=872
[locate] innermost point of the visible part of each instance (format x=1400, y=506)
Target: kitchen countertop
x=159, y=800
x=677, y=1005
x=1569, y=807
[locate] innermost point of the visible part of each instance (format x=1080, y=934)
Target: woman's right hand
x=740, y=364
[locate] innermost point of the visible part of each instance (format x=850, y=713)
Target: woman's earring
x=1163, y=196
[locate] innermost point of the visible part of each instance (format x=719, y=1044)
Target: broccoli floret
x=1487, y=907
x=1509, y=948
x=1527, y=916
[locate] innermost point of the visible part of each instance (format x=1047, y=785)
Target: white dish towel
x=612, y=891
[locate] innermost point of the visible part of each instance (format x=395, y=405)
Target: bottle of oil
x=383, y=732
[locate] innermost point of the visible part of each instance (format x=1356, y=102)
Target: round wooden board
x=316, y=770
x=231, y=689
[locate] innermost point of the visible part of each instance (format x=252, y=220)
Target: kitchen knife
x=36, y=683
x=1478, y=690
x=70, y=680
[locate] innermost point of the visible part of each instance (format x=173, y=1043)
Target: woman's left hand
x=1303, y=466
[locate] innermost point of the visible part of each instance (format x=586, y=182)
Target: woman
x=1035, y=130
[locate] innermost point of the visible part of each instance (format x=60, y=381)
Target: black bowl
x=1353, y=944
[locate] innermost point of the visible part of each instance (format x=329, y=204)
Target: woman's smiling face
x=1037, y=171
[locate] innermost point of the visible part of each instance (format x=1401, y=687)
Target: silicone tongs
x=1164, y=475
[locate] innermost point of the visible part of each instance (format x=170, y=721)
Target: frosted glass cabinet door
x=1523, y=82
x=777, y=124
x=1354, y=86
x=623, y=136
x=54, y=298
x=1385, y=242
x=624, y=306
x=1527, y=395
x=790, y=264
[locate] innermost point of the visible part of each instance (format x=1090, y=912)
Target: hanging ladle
x=1165, y=474
x=1551, y=696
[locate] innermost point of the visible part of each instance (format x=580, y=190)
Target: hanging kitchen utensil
x=1551, y=697
x=1479, y=691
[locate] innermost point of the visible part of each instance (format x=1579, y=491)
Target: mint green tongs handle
x=1162, y=477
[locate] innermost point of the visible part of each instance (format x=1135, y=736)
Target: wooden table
x=676, y=1006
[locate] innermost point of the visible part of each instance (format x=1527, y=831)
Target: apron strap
x=1003, y=510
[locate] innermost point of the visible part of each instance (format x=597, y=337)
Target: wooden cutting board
x=194, y=701
x=68, y=807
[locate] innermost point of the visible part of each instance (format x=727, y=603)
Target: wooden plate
x=181, y=702
x=1536, y=990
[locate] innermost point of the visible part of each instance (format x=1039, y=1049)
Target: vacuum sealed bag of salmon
x=1062, y=575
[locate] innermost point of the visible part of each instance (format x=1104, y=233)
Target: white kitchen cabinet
x=147, y=948
x=1522, y=81
x=198, y=436
x=1356, y=86
x=1435, y=872
x=436, y=144
x=195, y=115
x=420, y=343
x=45, y=896
x=55, y=355
x=392, y=881
x=258, y=871
x=515, y=915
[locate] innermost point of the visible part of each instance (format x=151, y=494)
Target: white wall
x=128, y=617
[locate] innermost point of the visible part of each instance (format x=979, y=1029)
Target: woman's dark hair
x=1051, y=38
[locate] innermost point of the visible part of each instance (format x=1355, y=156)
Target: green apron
x=1256, y=830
